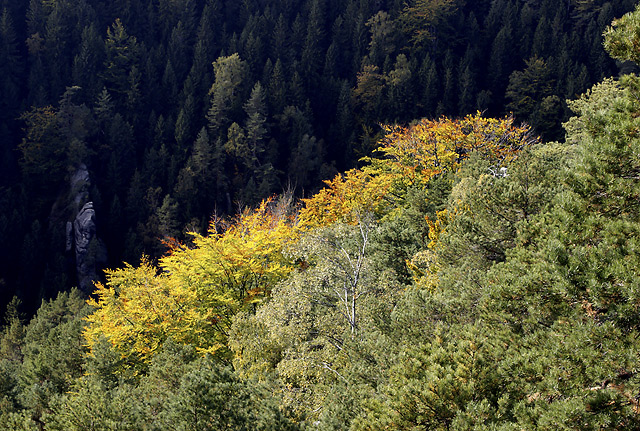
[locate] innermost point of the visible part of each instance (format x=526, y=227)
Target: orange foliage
x=345, y=198
x=411, y=157
x=418, y=153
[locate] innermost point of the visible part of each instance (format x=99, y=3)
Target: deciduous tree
x=196, y=290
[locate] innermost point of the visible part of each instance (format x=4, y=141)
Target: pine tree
x=122, y=54
x=184, y=122
x=179, y=50
x=226, y=91
x=279, y=39
x=255, y=126
x=500, y=60
x=527, y=92
x=87, y=63
x=400, y=92
x=277, y=89
x=383, y=37
x=312, y=53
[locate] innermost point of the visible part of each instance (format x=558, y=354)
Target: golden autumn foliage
x=195, y=291
x=416, y=154
x=345, y=197
x=437, y=227
x=411, y=157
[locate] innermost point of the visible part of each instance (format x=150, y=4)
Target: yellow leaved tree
x=414, y=155
x=345, y=198
x=193, y=293
x=411, y=157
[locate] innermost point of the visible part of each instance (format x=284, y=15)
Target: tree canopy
x=469, y=274
x=289, y=95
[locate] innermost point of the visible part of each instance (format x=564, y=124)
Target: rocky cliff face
x=89, y=251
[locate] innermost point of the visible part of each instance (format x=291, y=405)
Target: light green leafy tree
x=311, y=334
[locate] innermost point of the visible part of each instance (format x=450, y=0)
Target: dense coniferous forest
x=469, y=262
x=162, y=113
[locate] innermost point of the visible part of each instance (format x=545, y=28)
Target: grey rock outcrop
x=90, y=252
x=84, y=228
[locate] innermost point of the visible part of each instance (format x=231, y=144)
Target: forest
x=323, y=215
x=166, y=113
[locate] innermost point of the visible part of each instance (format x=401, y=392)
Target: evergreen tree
x=255, y=126
x=400, y=90
x=530, y=95
x=226, y=90
x=429, y=86
x=277, y=88
x=383, y=37
x=86, y=64
x=122, y=53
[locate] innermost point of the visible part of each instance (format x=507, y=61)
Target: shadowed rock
x=90, y=252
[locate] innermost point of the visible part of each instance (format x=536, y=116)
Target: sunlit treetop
x=195, y=290
x=411, y=156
